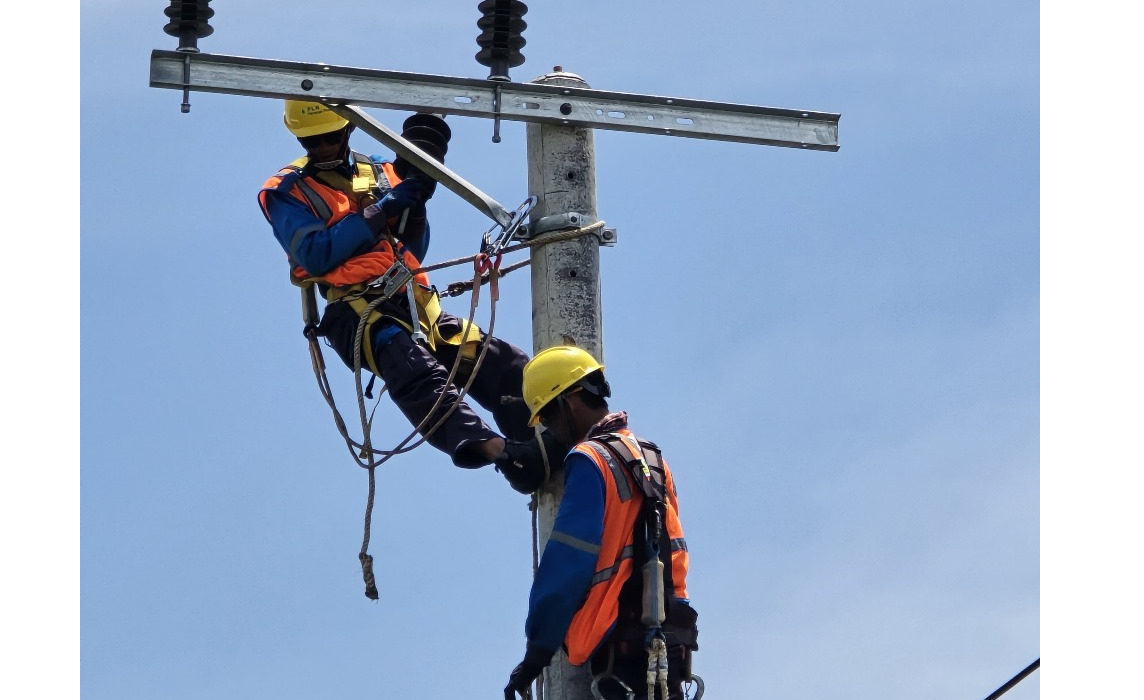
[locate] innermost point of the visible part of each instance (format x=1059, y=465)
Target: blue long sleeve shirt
x=569, y=560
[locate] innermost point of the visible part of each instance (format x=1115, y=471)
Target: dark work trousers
x=416, y=376
x=632, y=670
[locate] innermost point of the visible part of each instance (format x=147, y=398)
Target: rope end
x=367, y=574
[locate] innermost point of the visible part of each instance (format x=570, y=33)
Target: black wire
x=1015, y=680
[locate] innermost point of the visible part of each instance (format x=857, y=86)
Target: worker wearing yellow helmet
x=305, y=119
x=344, y=219
x=611, y=586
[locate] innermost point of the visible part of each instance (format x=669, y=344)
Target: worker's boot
x=524, y=464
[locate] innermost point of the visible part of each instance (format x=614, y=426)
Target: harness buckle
x=396, y=277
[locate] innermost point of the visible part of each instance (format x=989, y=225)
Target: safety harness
x=654, y=589
x=368, y=185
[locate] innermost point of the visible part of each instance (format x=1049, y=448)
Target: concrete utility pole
x=561, y=111
x=565, y=300
x=565, y=275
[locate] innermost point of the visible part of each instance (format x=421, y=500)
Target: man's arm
x=307, y=239
x=569, y=560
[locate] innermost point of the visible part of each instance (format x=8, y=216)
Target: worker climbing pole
x=392, y=307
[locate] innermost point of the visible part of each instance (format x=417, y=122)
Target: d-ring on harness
x=608, y=674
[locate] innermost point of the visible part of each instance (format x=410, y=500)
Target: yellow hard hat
x=311, y=118
x=552, y=372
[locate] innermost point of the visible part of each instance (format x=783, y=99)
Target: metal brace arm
x=425, y=163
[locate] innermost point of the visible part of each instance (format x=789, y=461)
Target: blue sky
x=839, y=353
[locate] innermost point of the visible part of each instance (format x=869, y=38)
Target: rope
x=1015, y=680
x=363, y=556
x=657, y=668
x=534, y=506
x=364, y=453
x=367, y=451
x=455, y=289
x=458, y=288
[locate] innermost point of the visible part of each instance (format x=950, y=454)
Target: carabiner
x=492, y=246
x=604, y=676
x=698, y=683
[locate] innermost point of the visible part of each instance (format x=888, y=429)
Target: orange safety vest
x=623, y=504
x=332, y=197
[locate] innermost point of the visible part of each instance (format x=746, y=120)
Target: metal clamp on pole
x=565, y=222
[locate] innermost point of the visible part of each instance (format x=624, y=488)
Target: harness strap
x=616, y=466
x=360, y=304
x=369, y=180
x=319, y=205
x=644, y=463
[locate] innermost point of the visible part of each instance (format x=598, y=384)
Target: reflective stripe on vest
x=615, y=561
x=601, y=576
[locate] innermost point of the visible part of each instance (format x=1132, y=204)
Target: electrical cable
x=1015, y=680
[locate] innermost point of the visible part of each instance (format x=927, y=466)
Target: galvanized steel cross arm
x=526, y=102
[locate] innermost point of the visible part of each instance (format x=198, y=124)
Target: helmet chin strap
x=337, y=163
x=566, y=415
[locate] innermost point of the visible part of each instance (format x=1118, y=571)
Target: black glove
x=523, y=464
x=410, y=193
x=521, y=678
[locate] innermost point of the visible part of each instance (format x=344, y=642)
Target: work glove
x=410, y=193
x=521, y=678
x=522, y=463
x=386, y=212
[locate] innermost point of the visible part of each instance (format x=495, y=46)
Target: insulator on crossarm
x=501, y=26
x=431, y=134
x=189, y=22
